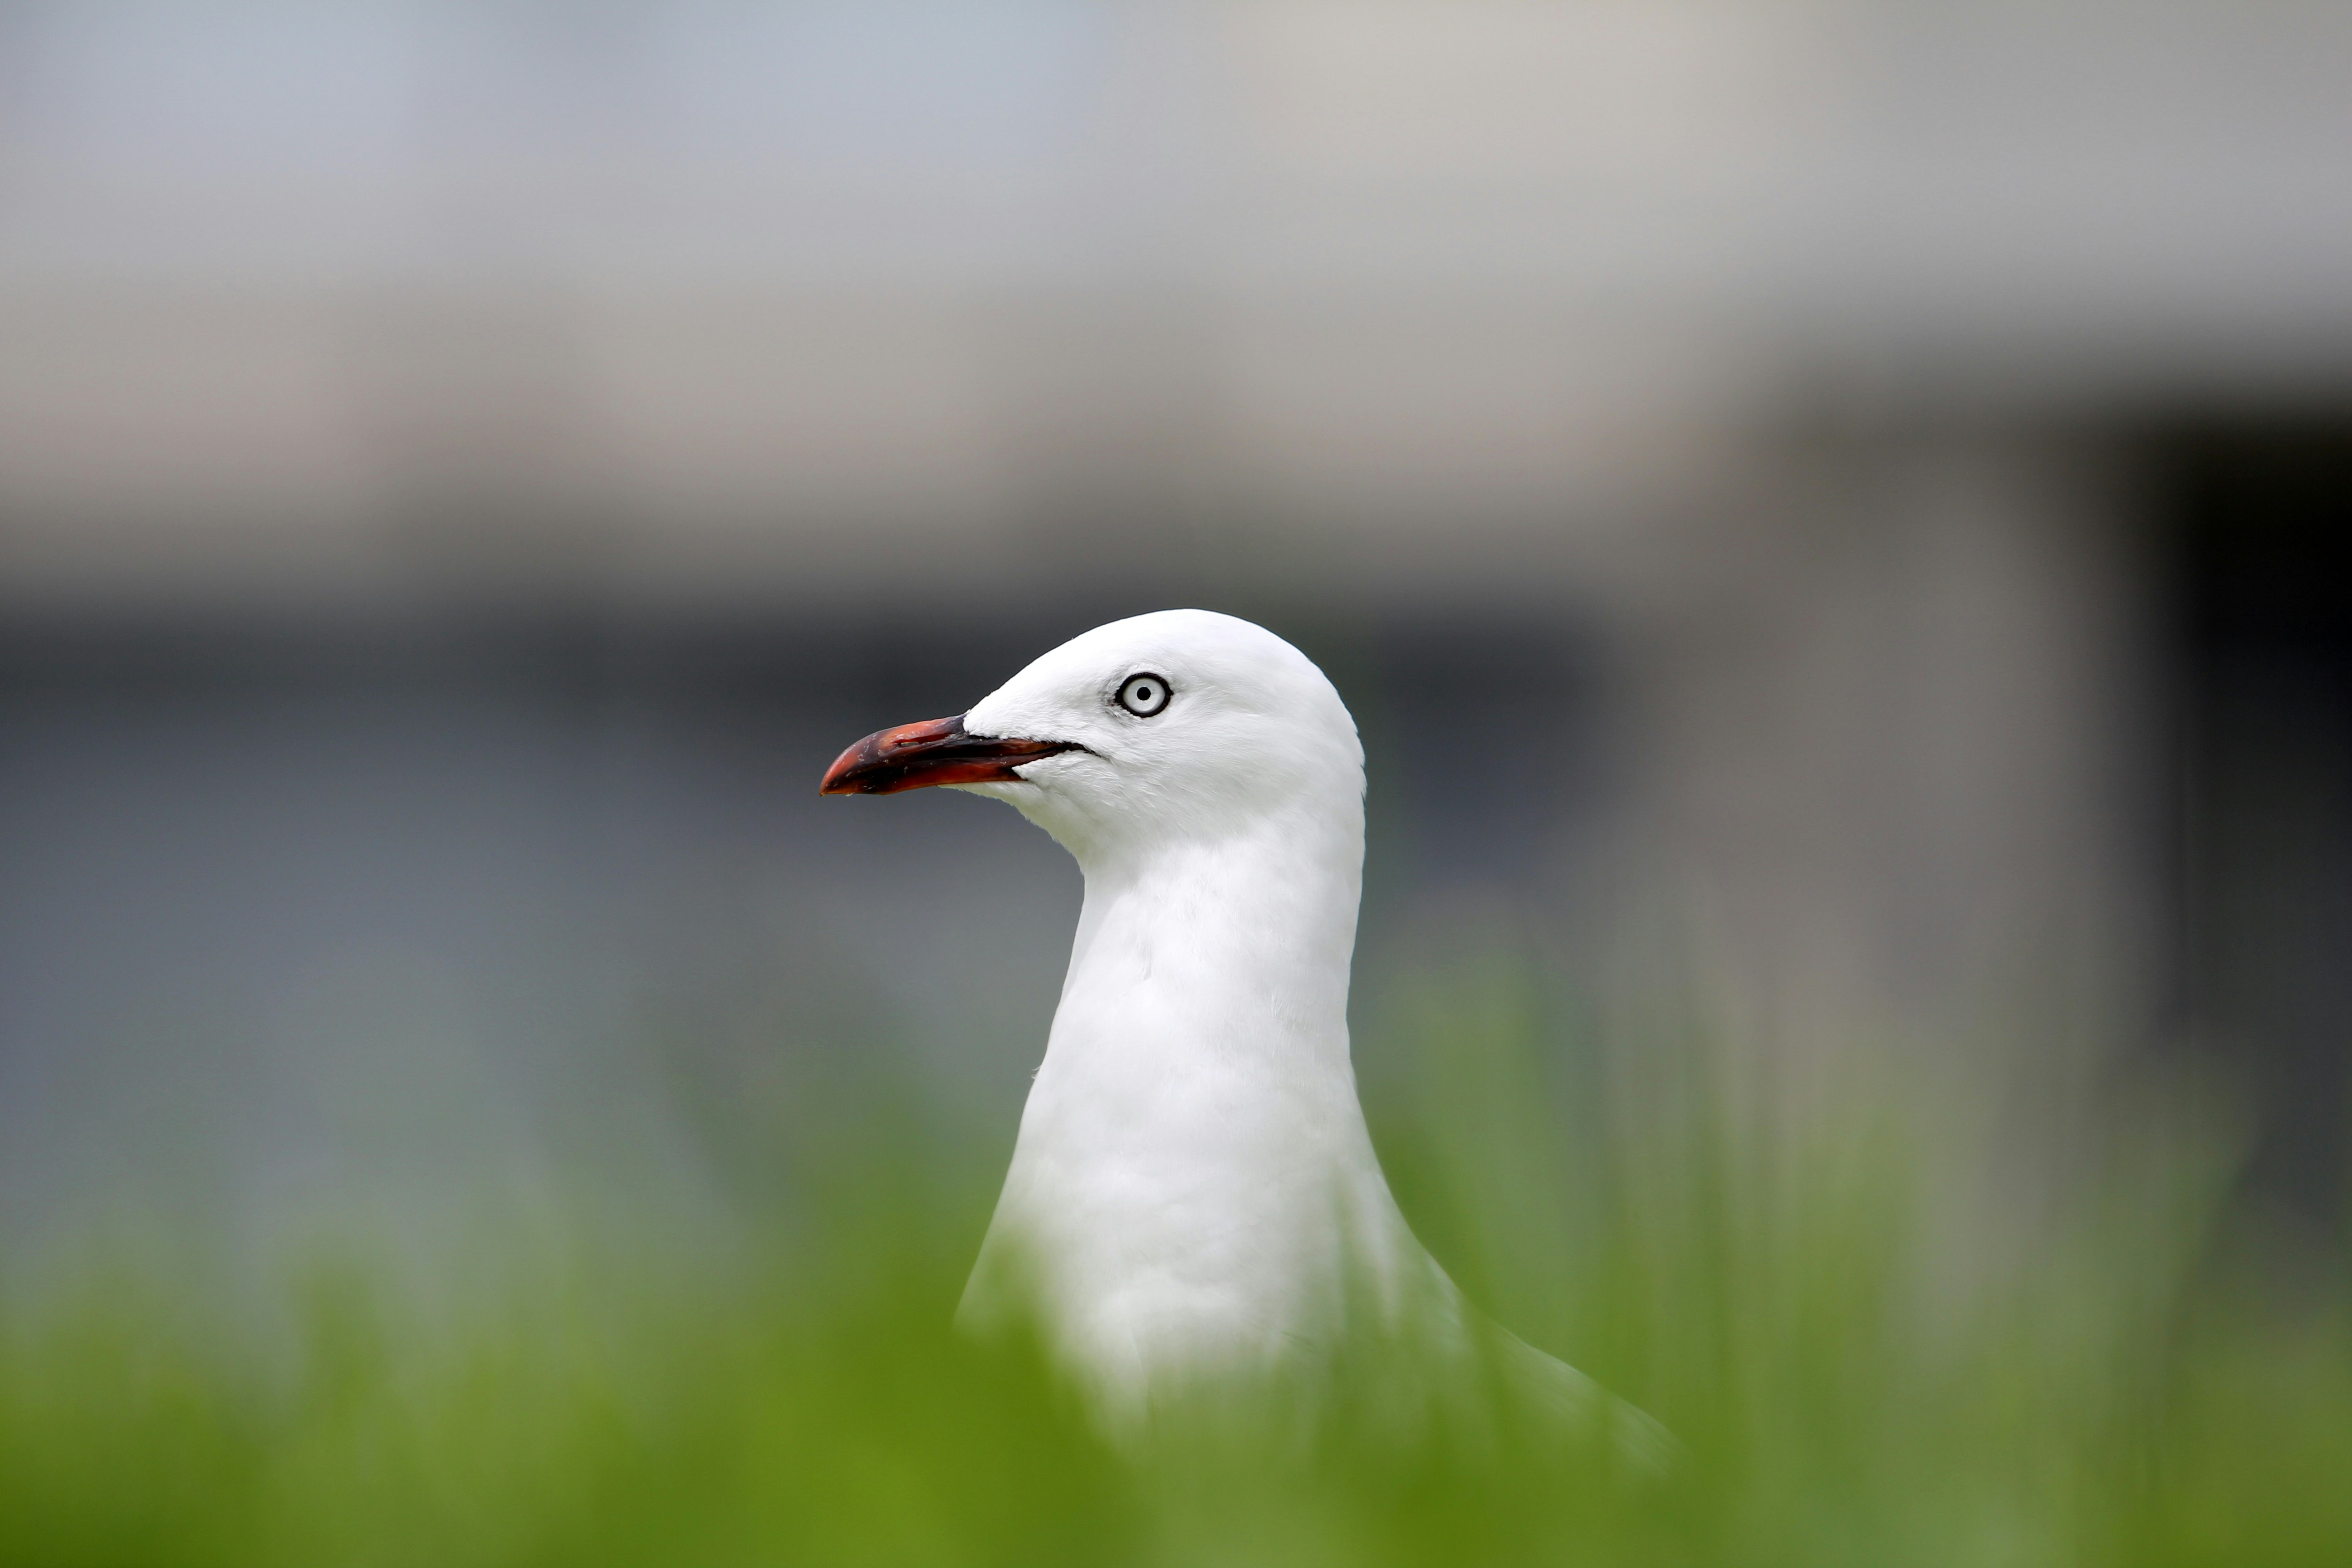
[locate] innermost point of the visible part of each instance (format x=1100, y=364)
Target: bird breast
x=1193, y=1180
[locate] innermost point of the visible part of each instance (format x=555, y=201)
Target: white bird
x=1194, y=1191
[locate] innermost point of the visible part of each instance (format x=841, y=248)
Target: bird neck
x=1194, y=1179
x=1225, y=950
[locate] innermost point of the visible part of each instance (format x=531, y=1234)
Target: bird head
x=1179, y=725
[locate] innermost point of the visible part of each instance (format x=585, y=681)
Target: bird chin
x=1063, y=818
x=1012, y=791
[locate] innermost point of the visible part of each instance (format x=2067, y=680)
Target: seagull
x=1193, y=1193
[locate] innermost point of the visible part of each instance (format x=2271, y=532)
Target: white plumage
x=1193, y=1191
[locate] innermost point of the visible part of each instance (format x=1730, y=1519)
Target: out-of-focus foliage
x=1964, y=1327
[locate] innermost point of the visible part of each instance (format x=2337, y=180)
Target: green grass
x=1905, y=1315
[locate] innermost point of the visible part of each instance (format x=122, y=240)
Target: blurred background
x=1829, y=513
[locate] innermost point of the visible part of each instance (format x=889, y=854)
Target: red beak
x=936, y=752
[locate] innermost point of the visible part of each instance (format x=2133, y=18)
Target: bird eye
x=1143, y=695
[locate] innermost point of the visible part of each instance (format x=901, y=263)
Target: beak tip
x=847, y=775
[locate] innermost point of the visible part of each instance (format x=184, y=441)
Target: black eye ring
x=1144, y=694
